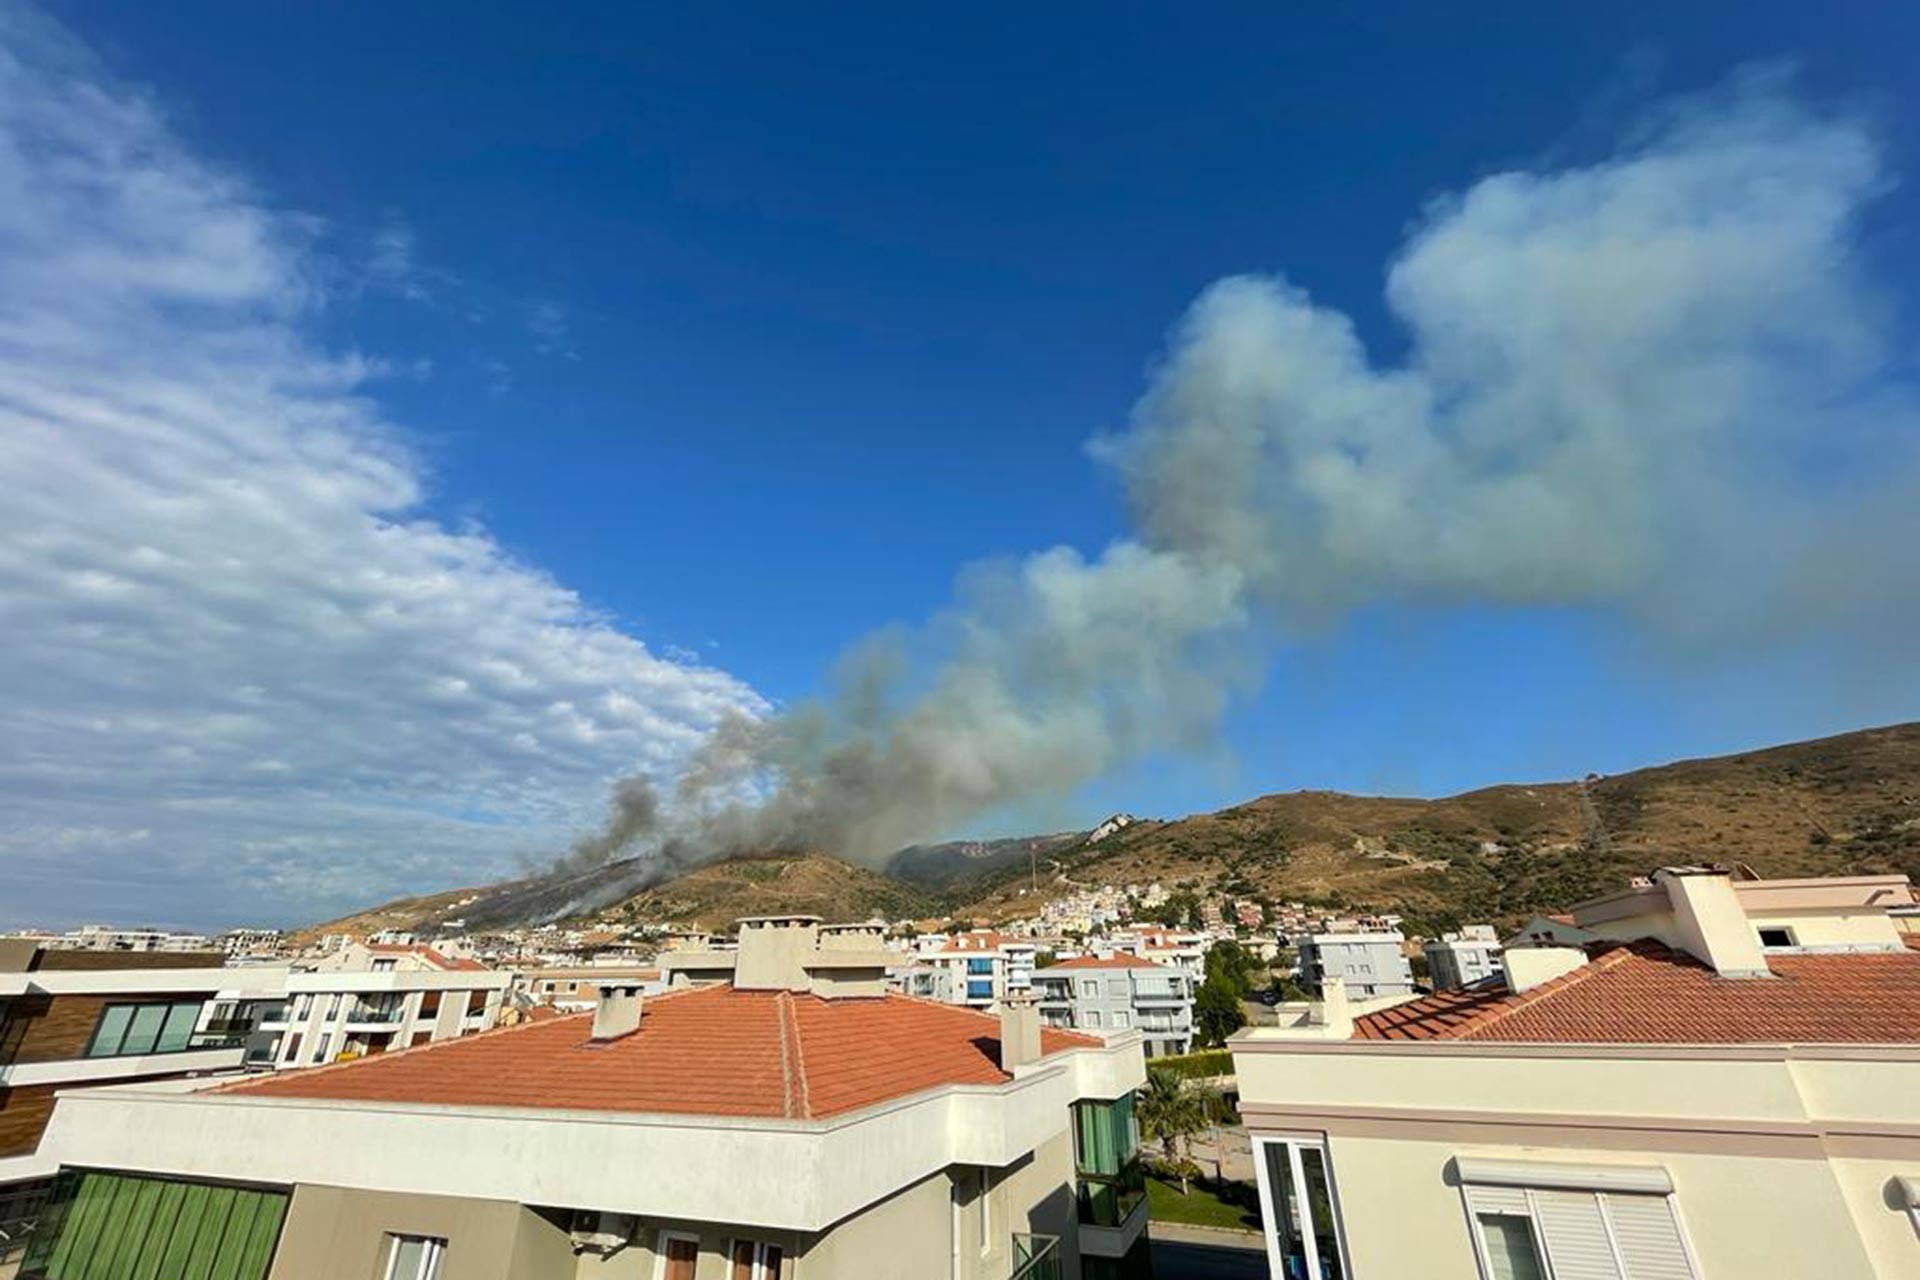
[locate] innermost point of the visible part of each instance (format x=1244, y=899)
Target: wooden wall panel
x=49, y=1028
x=23, y=1117
x=55, y=958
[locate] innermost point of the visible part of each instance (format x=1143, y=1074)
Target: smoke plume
x=1658, y=384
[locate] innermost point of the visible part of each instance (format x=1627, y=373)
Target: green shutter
x=106, y=1226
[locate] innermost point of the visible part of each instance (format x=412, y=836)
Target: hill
x=1838, y=805
x=1844, y=804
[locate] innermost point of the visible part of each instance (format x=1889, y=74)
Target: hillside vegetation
x=1838, y=805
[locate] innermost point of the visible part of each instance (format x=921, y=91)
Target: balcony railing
x=1110, y=1201
x=1036, y=1258
x=374, y=1013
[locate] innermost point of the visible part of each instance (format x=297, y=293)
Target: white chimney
x=1333, y=1012
x=617, y=1013
x=1710, y=923
x=1529, y=967
x=1019, y=1030
x=774, y=951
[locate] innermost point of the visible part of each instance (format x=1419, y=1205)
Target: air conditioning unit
x=598, y=1232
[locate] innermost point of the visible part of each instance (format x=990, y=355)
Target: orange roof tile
x=1646, y=993
x=704, y=1051
x=1118, y=960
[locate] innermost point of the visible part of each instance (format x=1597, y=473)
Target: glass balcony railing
x=374, y=1013
x=1036, y=1258
x=1110, y=1201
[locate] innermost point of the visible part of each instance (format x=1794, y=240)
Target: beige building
x=1724, y=1083
x=796, y=1122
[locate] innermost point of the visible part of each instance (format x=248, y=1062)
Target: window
x=980, y=965
x=1104, y=1136
x=302, y=1007
x=1537, y=1232
x=755, y=1260
x=144, y=1028
x=1776, y=937
x=1122, y=1019
x=385, y=964
x=320, y=1050
x=1297, y=1203
x=1092, y=1018
x=1090, y=988
x=414, y=1257
x=1512, y=1250
x=678, y=1256
x=333, y=1007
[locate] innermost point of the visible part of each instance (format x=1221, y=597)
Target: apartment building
x=1461, y=959
x=1371, y=965
x=977, y=969
x=369, y=999
x=797, y=1122
x=1183, y=949
x=1725, y=1082
x=572, y=988
x=1118, y=993
x=70, y=1019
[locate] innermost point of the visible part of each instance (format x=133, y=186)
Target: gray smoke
x=1658, y=384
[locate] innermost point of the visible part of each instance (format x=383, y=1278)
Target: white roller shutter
x=1498, y=1200
x=1649, y=1238
x=1575, y=1235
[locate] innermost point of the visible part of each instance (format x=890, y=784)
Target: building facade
x=815, y=1126
x=366, y=1000
x=1726, y=1084
x=73, y=1019
x=1372, y=965
x=1461, y=959
x=1120, y=993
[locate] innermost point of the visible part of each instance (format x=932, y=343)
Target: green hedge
x=1195, y=1066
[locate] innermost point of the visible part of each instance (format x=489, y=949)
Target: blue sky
x=753, y=329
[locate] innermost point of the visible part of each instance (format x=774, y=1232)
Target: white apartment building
x=1461, y=959
x=1723, y=1082
x=1120, y=993
x=1183, y=949
x=794, y=1123
x=1371, y=965
x=978, y=969
x=366, y=1000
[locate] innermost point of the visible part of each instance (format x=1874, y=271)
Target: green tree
x=1171, y=1110
x=1217, y=1012
x=1230, y=964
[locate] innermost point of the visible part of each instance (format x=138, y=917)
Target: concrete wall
x=1782, y=1159
x=1752, y=1217
x=332, y=1233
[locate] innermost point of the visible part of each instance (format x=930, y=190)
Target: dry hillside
x=1843, y=804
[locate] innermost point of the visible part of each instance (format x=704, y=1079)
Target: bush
x=1197, y=1066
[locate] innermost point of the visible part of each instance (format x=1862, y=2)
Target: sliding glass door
x=1297, y=1203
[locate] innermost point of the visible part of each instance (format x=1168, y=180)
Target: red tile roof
x=1645, y=993
x=704, y=1051
x=1118, y=960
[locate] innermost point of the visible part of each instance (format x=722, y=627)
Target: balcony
x=1036, y=1258
x=375, y=1015
x=1109, y=1202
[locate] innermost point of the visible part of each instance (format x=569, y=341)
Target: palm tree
x=1171, y=1110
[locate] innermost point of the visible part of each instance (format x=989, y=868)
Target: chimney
x=1709, y=921
x=1333, y=1011
x=774, y=951
x=1529, y=967
x=617, y=1013
x=1019, y=1030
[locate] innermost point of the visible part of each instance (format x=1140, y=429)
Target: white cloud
x=246, y=676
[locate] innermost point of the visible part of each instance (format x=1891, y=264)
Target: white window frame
x=1310, y=1237
x=431, y=1257
x=1540, y=1247
x=760, y=1247
x=660, y=1251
